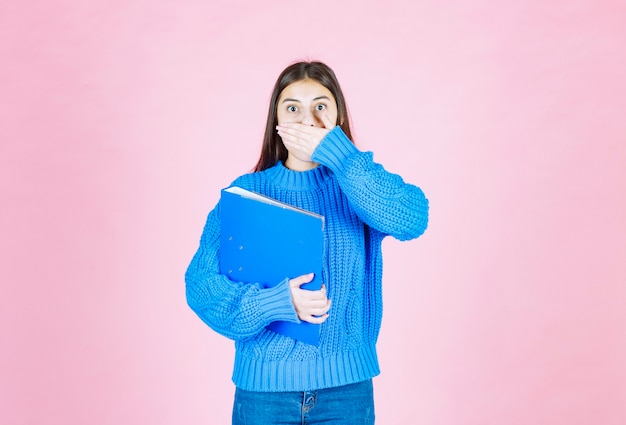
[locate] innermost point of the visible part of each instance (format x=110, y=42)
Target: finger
x=318, y=308
x=297, y=129
x=294, y=129
x=321, y=310
x=318, y=304
x=294, y=142
x=292, y=126
x=301, y=280
x=326, y=120
x=318, y=296
x=315, y=320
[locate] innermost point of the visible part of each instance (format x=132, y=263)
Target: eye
x=320, y=107
x=292, y=108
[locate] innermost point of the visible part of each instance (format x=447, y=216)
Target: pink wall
x=121, y=120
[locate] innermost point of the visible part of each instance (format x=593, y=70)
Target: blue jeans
x=346, y=405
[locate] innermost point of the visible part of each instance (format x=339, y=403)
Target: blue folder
x=265, y=241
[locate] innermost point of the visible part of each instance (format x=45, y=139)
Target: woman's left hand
x=301, y=140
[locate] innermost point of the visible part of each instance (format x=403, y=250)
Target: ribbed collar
x=297, y=180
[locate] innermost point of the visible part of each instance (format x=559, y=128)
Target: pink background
x=121, y=120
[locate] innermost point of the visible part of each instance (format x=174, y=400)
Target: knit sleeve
x=381, y=199
x=234, y=309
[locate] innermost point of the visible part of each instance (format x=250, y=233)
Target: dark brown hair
x=273, y=149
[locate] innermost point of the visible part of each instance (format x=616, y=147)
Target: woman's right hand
x=311, y=306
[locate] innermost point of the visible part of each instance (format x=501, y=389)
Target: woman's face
x=304, y=102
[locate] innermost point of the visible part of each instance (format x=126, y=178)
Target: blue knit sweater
x=362, y=203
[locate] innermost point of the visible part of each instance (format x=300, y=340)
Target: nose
x=308, y=118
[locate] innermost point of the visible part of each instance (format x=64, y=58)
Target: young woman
x=309, y=160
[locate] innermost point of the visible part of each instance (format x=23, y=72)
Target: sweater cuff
x=276, y=303
x=333, y=150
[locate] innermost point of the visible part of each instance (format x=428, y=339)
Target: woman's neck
x=295, y=164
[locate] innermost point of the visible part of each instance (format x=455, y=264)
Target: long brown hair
x=273, y=149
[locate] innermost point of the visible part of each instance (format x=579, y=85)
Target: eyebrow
x=296, y=100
